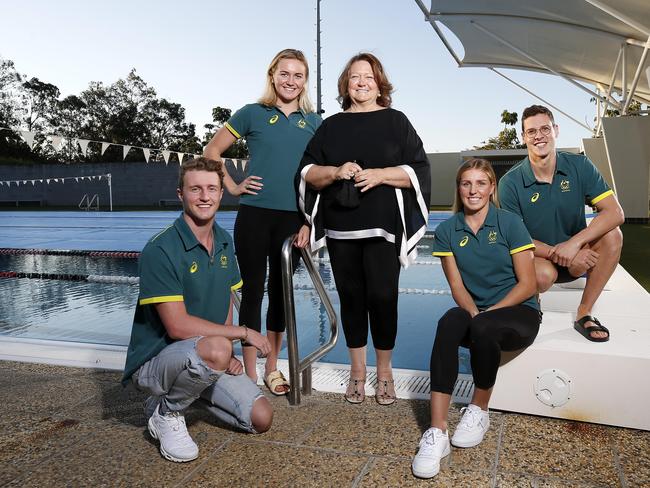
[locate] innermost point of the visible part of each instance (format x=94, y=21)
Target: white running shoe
x=175, y=442
x=472, y=427
x=434, y=445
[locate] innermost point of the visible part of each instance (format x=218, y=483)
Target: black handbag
x=348, y=195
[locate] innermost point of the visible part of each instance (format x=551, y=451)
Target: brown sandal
x=358, y=393
x=381, y=394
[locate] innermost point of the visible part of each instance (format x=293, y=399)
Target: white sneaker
x=472, y=427
x=434, y=445
x=175, y=442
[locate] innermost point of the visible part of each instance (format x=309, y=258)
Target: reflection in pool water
x=101, y=313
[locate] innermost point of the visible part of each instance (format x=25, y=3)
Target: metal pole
x=290, y=321
x=319, y=103
x=432, y=22
x=612, y=81
x=110, y=192
x=623, y=18
x=540, y=98
x=599, y=107
x=624, y=75
x=637, y=75
x=534, y=60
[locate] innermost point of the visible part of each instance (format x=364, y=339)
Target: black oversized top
x=378, y=139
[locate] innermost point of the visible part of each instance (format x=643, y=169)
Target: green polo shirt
x=175, y=267
x=276, y=143
x=553, y=212
x=484, y=259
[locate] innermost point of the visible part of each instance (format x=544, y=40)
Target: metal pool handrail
x=295, y=365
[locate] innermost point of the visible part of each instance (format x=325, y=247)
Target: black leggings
x=366, y=272
x=486, y=335
x=259, y=234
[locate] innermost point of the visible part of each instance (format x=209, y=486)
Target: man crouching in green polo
x=549, y=190
x=181, y=342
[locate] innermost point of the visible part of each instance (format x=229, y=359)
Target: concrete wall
x=133, y=184
x=627, y=140
x=596, y=151
x=443, y=175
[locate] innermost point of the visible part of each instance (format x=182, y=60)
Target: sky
x=210, y=53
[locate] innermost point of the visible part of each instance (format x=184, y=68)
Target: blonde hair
x=270, y=97
x=200, y=164
x=483, y=165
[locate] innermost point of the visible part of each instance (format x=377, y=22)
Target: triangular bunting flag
x=83, y=144
x=56, y=142
x=125, y=151
x=244, y=162
x=76, y=180
x=24, y=182
x=105, y=146
x=147, y=154
x=180, y=157
x=56, y=180
x=32, y=182
x=166, y=156
x=28, y=137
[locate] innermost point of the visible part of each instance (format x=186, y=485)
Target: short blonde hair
x=270, y=97
x=475, y=163
x=200, y=164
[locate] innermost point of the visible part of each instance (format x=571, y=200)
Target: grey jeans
x=179, y=377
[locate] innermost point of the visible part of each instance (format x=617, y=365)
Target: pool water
x=102, y=313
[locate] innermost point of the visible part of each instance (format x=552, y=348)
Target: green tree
x=40, y=99
x=632, y=110
x=10, y=86
x=220, y=115
x=507, y=138
x=11, y=111
x=126, y=112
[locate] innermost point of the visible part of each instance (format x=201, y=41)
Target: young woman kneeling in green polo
x=487, y=258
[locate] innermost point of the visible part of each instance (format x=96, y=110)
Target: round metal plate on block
x=553, y=387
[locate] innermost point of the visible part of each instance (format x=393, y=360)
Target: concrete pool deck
x=67, y=426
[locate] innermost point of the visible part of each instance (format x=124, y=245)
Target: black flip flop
x=579, y=325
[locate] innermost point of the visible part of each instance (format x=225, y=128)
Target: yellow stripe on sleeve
x=169, y=298
x=237, y=286
x=602, y=196
x=441, y=253
x=523, y=248
x=234, y=132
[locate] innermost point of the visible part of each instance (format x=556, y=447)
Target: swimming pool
x=101, y=313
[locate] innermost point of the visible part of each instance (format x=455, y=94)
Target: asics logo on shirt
x=273, y=119
x=535, y=197
x=194, y=268
x=463, y=241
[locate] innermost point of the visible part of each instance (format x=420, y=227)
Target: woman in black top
x=364, y=185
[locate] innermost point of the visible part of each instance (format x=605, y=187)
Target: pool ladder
x=88, y=203
x=296, y=366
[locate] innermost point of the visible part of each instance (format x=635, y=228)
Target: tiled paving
x=77, y=427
